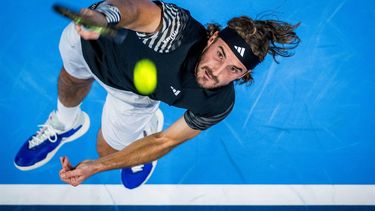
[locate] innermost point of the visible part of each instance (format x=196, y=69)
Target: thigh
x=71, y=54
x=102, y=147
x=124, y=118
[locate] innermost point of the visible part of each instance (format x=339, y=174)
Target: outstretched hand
x=75, y=175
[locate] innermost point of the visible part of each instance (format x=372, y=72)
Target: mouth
x=207, y=75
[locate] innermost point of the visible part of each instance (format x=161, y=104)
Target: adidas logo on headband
x=240, y=50
x=243, y=53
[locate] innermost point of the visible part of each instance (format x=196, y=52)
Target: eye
x=234, y=69
x=220, y=55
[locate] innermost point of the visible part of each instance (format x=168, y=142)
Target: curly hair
x=273, y=37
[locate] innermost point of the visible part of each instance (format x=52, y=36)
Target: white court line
x=25, y=194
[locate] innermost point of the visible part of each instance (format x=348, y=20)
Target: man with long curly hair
x=196, y=70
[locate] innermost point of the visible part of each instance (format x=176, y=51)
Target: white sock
x=67, y=115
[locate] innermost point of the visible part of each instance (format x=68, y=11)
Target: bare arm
x=142, y=151
x=137, y=15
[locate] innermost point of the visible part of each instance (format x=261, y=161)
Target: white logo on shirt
x=240, y=50
x=171, y=37
x=175, y=91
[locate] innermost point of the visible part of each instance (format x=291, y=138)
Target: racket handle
x=118, y=35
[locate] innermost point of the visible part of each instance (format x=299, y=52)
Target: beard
x=203, y=74
x=205, y=78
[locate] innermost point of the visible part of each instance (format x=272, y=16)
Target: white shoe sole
x=151, y=172
x=81, y=132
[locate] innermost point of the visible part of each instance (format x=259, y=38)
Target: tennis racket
x=118, y=35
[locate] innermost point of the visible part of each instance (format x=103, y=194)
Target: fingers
x=75, y=181
x=72, y=177
x=95, y=17
x=67, y=175
x=65, y=164
x=86, y=12
x=87, y=34
x=64, y=169
x=75, y=175
x=72, y=173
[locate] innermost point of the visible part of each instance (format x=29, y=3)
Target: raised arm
x=142, y=151
x=138, y=15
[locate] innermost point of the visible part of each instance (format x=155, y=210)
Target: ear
x=247, y=72
x=213, y=38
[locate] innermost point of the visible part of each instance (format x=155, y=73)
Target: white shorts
x=125, y=114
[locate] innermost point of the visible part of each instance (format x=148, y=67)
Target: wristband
x=111, y=13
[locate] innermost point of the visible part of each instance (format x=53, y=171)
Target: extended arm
x=142, y=151
x=138, y=15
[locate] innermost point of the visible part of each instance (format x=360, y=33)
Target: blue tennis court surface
x=308, y=121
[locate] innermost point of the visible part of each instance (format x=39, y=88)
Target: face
x=218, y=65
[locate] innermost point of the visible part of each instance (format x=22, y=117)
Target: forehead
x=231, y=57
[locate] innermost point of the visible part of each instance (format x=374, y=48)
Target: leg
x=102, y=147
x=68, y=123
x=71, y=93
x=75, y=78
x=123, y=122
x=71, y=90
x=126, y=118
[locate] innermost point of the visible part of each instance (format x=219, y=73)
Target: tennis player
x=197, y=68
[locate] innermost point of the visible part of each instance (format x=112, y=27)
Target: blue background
x=307, y=120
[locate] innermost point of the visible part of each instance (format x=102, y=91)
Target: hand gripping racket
x=118, y=35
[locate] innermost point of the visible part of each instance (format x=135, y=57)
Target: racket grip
x=117, y=35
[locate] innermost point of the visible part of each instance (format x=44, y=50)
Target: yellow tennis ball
x=145, y=76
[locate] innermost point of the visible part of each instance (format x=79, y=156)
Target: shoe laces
x=46, y=132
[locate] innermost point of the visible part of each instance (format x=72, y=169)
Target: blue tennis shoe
x=42, y=146
x=135, y=176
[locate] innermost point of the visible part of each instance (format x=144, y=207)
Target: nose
x=217, y=70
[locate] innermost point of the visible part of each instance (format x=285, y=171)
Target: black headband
x=239, y=47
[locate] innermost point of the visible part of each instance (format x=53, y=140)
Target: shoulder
x=176, y=22
x=219, y=100
x=217, y=107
